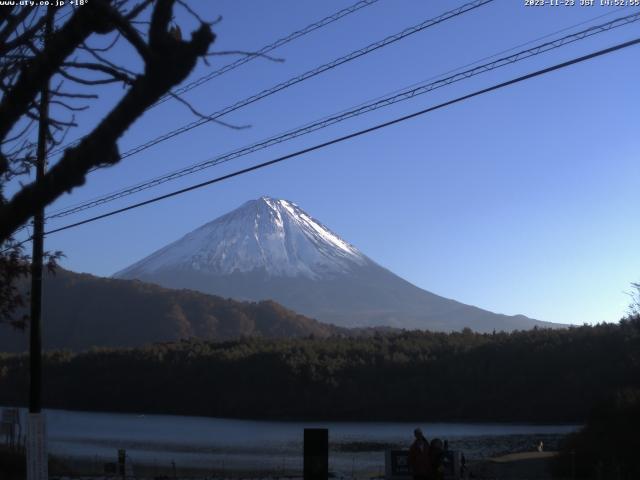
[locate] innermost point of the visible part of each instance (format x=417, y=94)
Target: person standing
x=436, y=456
x=419, y=459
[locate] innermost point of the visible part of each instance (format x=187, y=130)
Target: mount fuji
x=272, y=249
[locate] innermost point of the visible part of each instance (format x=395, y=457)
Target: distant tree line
x=534, y=376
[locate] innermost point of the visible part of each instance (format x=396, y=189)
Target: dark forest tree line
x=537, y=376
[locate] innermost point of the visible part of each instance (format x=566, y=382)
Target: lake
x=226, y=445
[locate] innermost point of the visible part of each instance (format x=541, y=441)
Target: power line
x=344, y=138
x=502, y=52
x=307, y=75
x=298, y=153
x=268, y=48
x=104, y=198
x=403, y=95
x=241, y=61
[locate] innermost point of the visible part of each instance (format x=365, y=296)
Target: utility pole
x=37, y=458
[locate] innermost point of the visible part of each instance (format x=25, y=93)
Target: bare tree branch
x=73, y=108
x=168, y=62
x=206, y=117
x=85, y=81
x=137, y=10
x=62, y=43
x=113, y=72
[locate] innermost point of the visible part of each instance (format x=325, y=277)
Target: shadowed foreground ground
x=515, y=466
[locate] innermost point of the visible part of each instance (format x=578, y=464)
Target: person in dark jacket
x=419, y=459
x=436, y=455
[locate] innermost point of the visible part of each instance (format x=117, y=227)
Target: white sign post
x=37, y=458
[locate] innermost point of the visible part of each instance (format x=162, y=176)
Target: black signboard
x=316, y=454
x=400, y=463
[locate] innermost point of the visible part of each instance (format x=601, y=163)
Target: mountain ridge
x=272, y=249
x=81, y=311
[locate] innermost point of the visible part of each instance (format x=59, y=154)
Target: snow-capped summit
x=272, y=249
x=267, y=234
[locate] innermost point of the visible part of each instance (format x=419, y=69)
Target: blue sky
x=524, y=200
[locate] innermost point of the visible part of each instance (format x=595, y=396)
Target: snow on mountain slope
x=270, y=249
x=264, y=234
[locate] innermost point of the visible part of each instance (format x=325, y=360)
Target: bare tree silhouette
x=75, y=66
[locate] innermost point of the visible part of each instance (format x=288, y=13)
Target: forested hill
x=535, y=376
x=81, y=311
